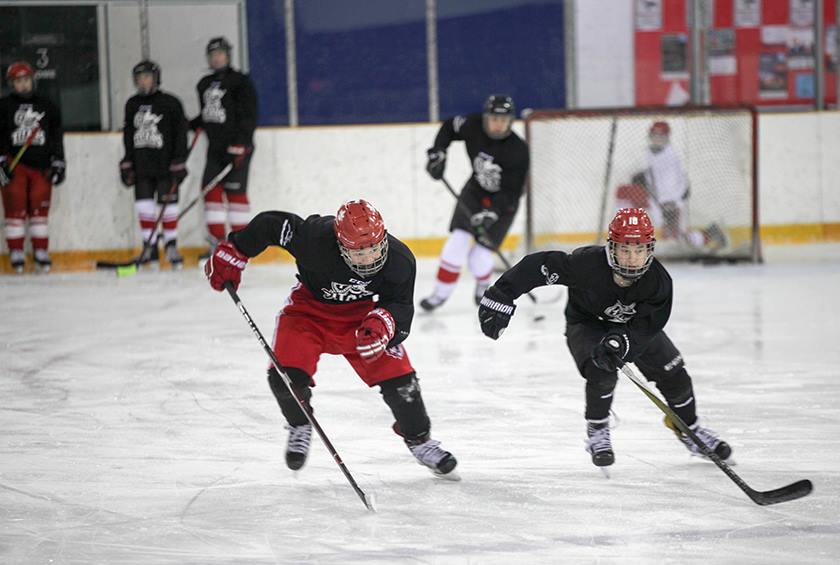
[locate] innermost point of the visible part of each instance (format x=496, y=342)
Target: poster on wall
x=648, y=15
x=802, y=12
x=773, y=75
x=831, y=48
x=722, y=61
x=674, y=48
x=800, y=48
x=747, y=13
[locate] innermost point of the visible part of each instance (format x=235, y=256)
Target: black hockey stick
x=134, y=263
x=366, y=499
x=482, y=238
x=762, y=498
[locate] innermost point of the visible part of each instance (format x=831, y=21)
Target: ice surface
x=138, y=428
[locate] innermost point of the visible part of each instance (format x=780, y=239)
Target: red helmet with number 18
x=361, y=235
x=630, y=243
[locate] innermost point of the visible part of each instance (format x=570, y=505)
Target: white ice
x=137, y=427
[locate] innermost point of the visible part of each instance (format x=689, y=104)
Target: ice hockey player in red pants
x=27, y=117
x=343, y=261
x=617, y=295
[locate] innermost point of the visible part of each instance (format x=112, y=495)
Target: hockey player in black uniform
x=155, y=141
x=343, y=262
x=228, y=116
x=30, y=123
x=617, y=294
x=491, y=195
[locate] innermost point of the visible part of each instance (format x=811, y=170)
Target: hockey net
x=700, y=193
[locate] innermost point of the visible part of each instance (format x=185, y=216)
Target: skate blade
x=450, y=476
x=605, y=471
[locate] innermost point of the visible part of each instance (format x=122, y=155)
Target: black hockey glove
x=178, y=171
x=5, y=173
x=436, y=163
x=58, y=170
x=611, y=351
x=494, y=312
x=127, y=173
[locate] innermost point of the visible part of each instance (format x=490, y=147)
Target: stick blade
x=792, y=491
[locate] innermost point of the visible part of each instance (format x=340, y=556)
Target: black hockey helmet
x=146, y=67
x=218, y=43
x=498, y=105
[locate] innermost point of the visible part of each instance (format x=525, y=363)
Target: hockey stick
x=130, y=267
x=366, y=499
x=762, y=498
x=481, y=236
x=607, y=174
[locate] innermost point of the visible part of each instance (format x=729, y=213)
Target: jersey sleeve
x=651, y=317
x=513, y=180
x=5, y=133
x=179, y=132
x=56, y=134
x=450, y=130
x=128, y=131
x=282, y=229
x=537, y=269
x=246, y=111
x=398, y=299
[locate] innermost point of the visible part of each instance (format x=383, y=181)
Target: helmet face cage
x=498, y=105
x=659, y=136
x=630, y=227
x=366, y=269
x=147, y=67
x=626, y=271
x=20, y=69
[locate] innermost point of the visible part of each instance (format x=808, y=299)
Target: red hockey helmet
x=361, y=237
x=659, y=135
x=19, y=69
x=630, y=243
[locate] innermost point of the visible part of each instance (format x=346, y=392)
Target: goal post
x=694, y=169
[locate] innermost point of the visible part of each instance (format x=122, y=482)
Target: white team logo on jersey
x=27, y=119
x=213, y=111
x=487, y=173
x=620, y=313
x=341, y=292
x=146, y=132
x=550, y=278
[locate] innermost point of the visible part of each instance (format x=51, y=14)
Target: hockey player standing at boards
x=488, y=201
x=228, y=116
x=28, y=118
x=155, y=141
x=617, y=294
x=343, y=262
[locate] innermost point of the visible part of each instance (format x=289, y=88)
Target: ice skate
x=432, y=302
x=150, y=255
x=17, y=259
x=429, y=454
x=176, y=260
x=707, y=436
x=42, y=261
x=297, y=447
x=599, y=444
x=717, y=239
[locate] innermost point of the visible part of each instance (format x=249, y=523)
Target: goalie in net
x=663, y=190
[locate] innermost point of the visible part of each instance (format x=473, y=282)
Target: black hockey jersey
x=154, y=133
x=228, y=109
x=641, y=309
x=323, y=271
x=19, y=116
x=499, y=165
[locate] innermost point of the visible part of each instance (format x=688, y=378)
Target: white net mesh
x=698, y=190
